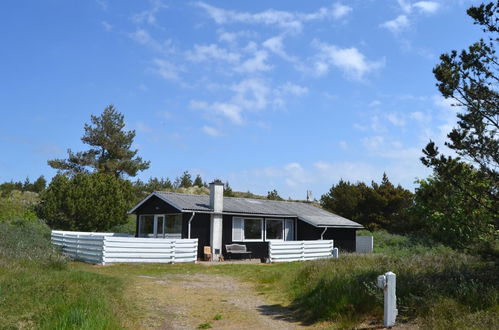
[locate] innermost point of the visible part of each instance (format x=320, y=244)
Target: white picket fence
x=107, y=248
x=300, y=250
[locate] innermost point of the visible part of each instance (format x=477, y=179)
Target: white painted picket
x=107, y=248
x=300, y=250
x=160, y=250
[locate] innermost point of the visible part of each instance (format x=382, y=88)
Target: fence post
x=302, y=250
x=103, y=252
x=173, y=251
x=336, y=253
x=387, y=282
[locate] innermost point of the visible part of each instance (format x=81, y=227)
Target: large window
x=173, y=225
x=274, y=229
x=254, y=229
x=160, y=226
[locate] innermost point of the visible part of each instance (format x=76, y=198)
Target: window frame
x=282, y=220
x=244, y=239
x=155, y=225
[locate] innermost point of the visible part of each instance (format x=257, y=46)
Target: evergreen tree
x=461, y=198
x=274, y=195
x=39, y=184
x=185, y=180
x=110, y=151
x=198, y=181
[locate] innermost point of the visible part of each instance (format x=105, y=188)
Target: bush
x=86, y=202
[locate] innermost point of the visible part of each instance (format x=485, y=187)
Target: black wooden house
x=217, y=221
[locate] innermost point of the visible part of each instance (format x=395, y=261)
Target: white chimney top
x=217, y=196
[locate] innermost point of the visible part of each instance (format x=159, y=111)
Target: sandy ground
x=191, y=300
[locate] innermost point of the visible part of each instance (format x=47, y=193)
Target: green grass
x=437, y=287
x=39, y=289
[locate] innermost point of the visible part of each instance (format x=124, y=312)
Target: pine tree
x=110, y=151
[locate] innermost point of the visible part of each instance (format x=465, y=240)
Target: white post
x=387, y=282
x=336, y=253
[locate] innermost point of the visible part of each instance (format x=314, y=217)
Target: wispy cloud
x=142, y=36
x=166, y=69
x=257, y=63
x=211, y=131
x=289, y=21
x=107, y=27
x=202, y=53
x=149, y=16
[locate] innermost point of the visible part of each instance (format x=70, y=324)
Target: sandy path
x=186, y=301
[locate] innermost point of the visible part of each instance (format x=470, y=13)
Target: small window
x=253, y=229
x=274, y=229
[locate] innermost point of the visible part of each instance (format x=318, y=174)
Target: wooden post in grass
x=387, y=282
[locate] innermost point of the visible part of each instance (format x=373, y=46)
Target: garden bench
x=239, y=249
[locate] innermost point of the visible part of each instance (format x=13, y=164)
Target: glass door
x=159, y=226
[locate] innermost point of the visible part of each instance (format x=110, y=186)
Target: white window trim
x=283, y=229
x=155, y=224
x=243, y=231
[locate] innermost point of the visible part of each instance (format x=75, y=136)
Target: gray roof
x=233, y=205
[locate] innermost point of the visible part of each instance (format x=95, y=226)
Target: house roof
x=247, y=206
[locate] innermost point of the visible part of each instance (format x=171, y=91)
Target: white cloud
x=230, y=111
x=349, y=60
x=275, y=45
x=420, y=117
x=405, y=6
x=149, y=16
x=206, y=52
x=340, y=11
x=143, y=127
x=255, y=64
x=375, y=103
x=397, y=25
x=166, y=69
x=251, y=94
x=290, y=88
x=143, y=37
x=428, y=7
x=289, y=21
x=211, y=131
x=343, y=145
x=395, y=119
x=373, y=143
x=108, y=27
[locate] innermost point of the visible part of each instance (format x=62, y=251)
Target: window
x=146, y=226
x=274, y=229
x=173, y=225
x=160, y=226
x=253, y=229
x=249, y=229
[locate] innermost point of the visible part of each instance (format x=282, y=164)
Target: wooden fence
x=107, y=248
x=300, y=250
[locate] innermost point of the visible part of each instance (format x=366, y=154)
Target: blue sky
x=286, y=95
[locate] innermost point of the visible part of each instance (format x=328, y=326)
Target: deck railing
x=107, y=248
x=300, y=250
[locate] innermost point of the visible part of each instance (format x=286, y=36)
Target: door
x=159, y=226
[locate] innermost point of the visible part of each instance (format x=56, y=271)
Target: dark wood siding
x=155, y=205
x=344, y=238
x=200, y=229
